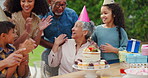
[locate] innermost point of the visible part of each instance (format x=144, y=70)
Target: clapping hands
x=29, y=45
x=28, y=25
x=14, y=58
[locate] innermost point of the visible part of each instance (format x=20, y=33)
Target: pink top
x=66, y=56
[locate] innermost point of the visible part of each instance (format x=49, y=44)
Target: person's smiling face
x=10, y=36
x=77, y=31
x=58, y=6
x=106, y=15
x=27, y=5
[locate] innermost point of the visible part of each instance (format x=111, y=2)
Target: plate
x=76, y=67
x=90, y=73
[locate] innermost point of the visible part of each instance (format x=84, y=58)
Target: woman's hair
x=118, y=16
x=88, y=26
x=8, y=14
x=6, y=26
x=41, y=7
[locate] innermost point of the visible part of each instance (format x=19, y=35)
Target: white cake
x=90, y=59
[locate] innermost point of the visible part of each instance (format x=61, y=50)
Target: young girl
x=110, y=36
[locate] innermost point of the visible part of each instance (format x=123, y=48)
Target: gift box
x=130, y=58
x=136, y=58
x=133, y=46
x=122, y=55
x=144, y=49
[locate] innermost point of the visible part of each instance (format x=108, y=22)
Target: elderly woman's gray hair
x=88, y=26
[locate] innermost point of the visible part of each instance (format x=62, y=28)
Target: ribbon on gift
x=133, y=46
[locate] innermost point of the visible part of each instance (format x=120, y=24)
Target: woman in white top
x=71, y=49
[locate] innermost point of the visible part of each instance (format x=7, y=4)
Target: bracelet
x=28, y=34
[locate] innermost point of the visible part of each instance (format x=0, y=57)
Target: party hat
x=108, y=2
x=3, y=17
x=84, y=15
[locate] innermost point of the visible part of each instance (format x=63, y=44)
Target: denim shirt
x=60, y=25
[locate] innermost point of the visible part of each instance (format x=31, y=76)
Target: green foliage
x=136, y=17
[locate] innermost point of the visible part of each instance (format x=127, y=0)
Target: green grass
x=36, y=55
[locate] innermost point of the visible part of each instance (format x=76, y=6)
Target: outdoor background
x=135, y=11
x=136, y=18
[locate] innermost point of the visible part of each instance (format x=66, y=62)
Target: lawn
x=36, y=55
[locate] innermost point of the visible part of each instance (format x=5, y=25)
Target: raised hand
x=60, y=39
x=45, y=22
x=28, y=24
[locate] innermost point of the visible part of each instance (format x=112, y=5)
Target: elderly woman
x=71, y=49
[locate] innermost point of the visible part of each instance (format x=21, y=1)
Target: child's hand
x=45, y=23
x=108, y=48
x=13, y=59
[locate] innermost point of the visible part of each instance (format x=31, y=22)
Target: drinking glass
x=40, y=70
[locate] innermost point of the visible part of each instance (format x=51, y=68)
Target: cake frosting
x=90, y=59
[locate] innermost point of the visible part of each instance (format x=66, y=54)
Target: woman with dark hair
x=24, y=14
x=110, y=36
x=28, y=24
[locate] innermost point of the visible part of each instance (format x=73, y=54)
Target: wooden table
x=113, y=71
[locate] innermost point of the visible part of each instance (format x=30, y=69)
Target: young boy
x=19, y=57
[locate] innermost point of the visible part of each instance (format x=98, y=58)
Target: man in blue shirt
x=62, y=22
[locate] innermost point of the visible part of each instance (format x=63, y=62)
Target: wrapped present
x=144, y=49
x=136, y=58
x=133, y=46
x=122, y=55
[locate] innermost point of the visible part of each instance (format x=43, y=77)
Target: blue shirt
x=60, y=25
x=110, y=35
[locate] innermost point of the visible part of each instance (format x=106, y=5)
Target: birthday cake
x=90, y=59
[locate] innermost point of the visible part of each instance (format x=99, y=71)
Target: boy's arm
x=23, y=69
x=12, y=60
x=3, y=64
x=11, y=71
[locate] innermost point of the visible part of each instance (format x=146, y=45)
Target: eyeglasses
x=57, y=4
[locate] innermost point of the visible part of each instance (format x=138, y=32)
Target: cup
x=40, y=70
